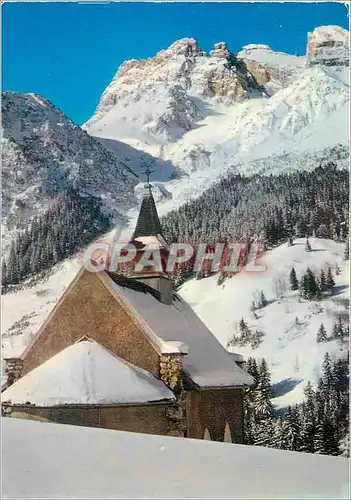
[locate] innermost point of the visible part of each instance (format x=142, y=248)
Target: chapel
x=122, y=350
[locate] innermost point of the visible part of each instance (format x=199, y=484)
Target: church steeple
x=148, y=223
x=148, y=233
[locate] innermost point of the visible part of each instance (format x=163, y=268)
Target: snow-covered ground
x=289, y=324
x=42, y=460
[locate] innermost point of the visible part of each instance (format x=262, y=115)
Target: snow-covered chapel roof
x=176, y=328
x=86, y=373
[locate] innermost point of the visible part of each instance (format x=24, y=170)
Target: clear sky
x=69, y=52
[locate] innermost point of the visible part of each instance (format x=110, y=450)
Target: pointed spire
x=148, y=223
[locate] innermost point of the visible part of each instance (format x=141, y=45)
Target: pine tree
x=322, y=334
x=264, y=383
x=330, y=282
x=278, y=437
x=339, y=330
x=325, y=440
x=304, y=287
x=263, y=430
x=292, y=429
x=263, y=300
x=256, y=339
x=347, y=250
x=309, y=287
x=294, y=284
x=263, y=408
x=308, y=247
x=252, y=369
x=323, y=282
x=245, y=333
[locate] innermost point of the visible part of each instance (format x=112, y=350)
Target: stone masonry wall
x=90, y=309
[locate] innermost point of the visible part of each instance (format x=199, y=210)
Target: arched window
x=207, y=435
x=227, y=434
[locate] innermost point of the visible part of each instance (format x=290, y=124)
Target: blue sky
x=69, y=52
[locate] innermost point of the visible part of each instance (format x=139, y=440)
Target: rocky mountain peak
x=160, y=98
x=329, y=46
x=185, y=46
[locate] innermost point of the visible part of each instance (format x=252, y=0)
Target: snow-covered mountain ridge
x=43, y=153
x=212, y=111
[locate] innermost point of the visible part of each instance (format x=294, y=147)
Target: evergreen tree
x=312, y=286
x=330, y=282
x=256, y=339
x=325, y=440
x=308, y=247
x=264, y=383
x=347, y=250
x=339, y=330
x=292, y=429
x=322, y=334
x=323, y=282
x=263, y=300
x=252, y=369
x=263, y=429
x=304, y=287
x=294, y=284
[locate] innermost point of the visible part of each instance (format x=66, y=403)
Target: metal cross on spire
x=147, y=172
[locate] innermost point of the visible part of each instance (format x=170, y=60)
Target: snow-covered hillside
x=44, y=460
x=43, y=152
x=289, y=323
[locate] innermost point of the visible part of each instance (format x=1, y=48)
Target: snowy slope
x=42, y=460
x=289, y=325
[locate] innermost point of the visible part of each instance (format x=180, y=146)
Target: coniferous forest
x=271, y=208
x=70, y=223
x=319, y=424
x=266, y=209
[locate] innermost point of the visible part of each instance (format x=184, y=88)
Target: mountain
x=210, y=112
x=161, y=98
x=44, y=153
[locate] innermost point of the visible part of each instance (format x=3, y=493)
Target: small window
x=227, y=434
x=207, y=435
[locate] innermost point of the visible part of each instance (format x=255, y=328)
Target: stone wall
x=211, y=409
x=88, y=308
x=149, y=419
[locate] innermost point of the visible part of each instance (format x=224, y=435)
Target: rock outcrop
x=274, y=70
x=161, y=96
x=329, y=46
